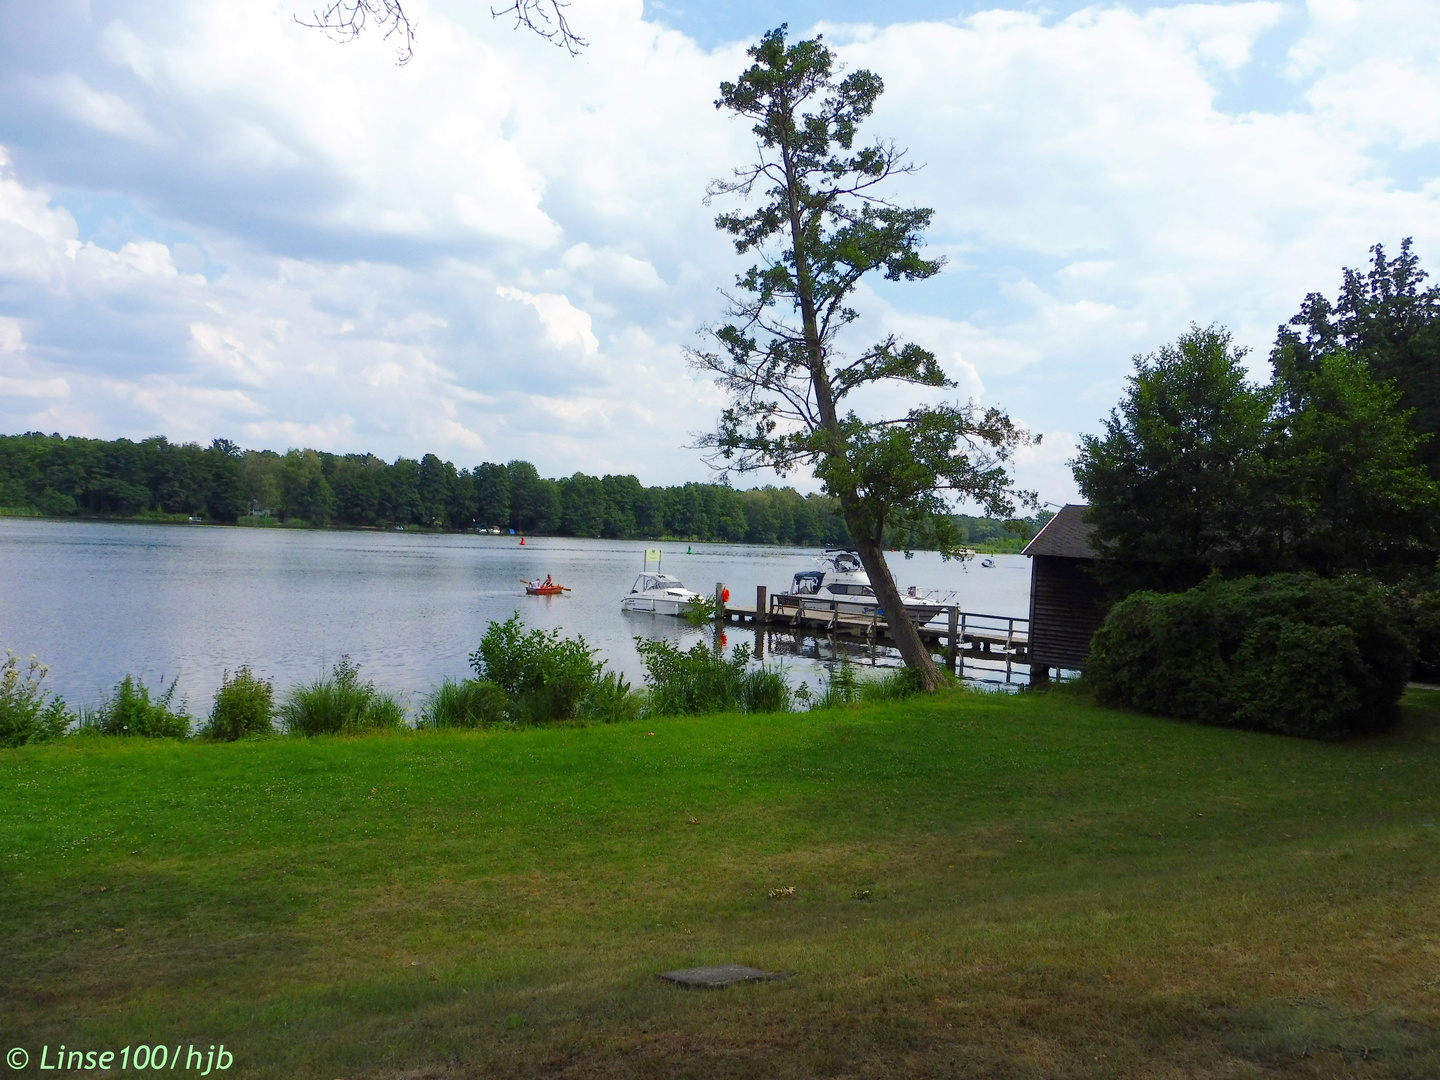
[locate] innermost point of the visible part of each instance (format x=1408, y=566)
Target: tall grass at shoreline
x=340, y=704
x=524, y=678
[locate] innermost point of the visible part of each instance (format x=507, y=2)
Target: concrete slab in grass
x=713, y=978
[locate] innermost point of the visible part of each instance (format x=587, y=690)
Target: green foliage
x=700, y=680
x=1173, y=482
x=700, y=610
x=1289, y=653
x=244, y=708
x=46, y=474
x=846, y=687
x=1344, y=491
x=764, y=690
x=892, y=686
x=1384, y=317
x=611, y=700
x=545, y=676
x=340, y=705
x=820, y=231
x=26, y=716
x=469, y=703
x=1426, y=622
x=842, y=688
x=129, y=711
x=1199, y=469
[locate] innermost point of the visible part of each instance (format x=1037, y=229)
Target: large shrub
x=701, y=680
x=130, y=711
x=244, y=708
x=544, y=676
x=339, y=705
x=1289, y=653
x=25, y=714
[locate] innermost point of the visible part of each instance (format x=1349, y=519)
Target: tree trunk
x=902, y=630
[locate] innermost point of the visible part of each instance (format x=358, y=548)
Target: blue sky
x=214, y=222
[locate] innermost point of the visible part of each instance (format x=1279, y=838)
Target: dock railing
x=999, y=638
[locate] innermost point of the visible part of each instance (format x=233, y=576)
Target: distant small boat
x=532, y=589
x=987, y=561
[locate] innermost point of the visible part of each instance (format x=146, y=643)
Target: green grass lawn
x=1054, y=890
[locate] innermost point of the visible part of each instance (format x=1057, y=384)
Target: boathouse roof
x=1066, y=536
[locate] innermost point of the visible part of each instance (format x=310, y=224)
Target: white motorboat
x=657, y=593
x=660, y=594
x=842, y=580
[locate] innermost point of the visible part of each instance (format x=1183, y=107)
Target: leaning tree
x=824, y=222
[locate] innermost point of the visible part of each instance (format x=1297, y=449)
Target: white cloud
x=566, y=326
x=101, y=110
x=499, y=250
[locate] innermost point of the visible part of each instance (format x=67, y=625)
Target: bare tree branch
x=346, y=20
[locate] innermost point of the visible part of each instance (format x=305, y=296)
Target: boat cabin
x=655, y=582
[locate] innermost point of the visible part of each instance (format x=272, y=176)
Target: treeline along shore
x=56, y=476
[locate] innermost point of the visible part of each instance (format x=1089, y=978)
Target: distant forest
x=67, y=477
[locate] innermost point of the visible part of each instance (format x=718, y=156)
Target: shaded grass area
x=1054, y=890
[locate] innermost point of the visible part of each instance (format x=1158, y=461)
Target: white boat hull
x=653, y=605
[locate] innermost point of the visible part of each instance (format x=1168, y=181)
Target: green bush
x=701, y=680
x=129, y=711
x=25, y=715
x=339, y=705
x=470, y=703
x=894, y=686
x=611, y=700
x=244, y=708
x=1425, y=615
x=700, y=610
x=1289, y=653
x=545, y=677
x=764, y=690
x=845, y=687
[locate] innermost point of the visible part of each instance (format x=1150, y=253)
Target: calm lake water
x=96, y=601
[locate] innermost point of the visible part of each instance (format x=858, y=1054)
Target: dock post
x=762, y=604
x=721, y=615
x=953, y=652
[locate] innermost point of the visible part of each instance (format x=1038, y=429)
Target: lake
x=98, y=600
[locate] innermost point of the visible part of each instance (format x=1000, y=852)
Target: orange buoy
x=522, y=541
x=724, y=596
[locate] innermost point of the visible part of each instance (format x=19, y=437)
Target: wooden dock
x=955, y=633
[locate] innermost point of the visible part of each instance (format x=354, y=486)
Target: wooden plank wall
x=1064, y=612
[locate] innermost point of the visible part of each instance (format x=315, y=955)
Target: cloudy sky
x=214, y=222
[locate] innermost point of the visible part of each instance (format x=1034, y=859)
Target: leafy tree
x=822, y=225
x=583, y=498
x=492, y=493
x=1384, y=317
x=1198, y=469
x=1344, y=491
x=1173, y=481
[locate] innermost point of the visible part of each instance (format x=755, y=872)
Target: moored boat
x=656, y=593
x=843, y=583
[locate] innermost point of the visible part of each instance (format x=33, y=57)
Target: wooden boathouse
x=1065, y=601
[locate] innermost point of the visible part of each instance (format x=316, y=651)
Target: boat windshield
x=646, y=582
x=807, y=582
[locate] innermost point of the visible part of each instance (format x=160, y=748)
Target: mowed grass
x=1045, y=889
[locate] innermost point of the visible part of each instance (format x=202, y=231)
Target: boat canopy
x=647, y=582
x=807, y=582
